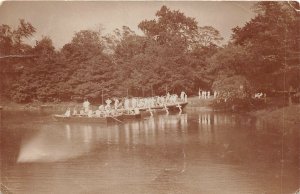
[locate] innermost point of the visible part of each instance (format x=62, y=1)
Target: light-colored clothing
x=86, y=105
x=68, y=113
x=98, y=113
x=90, y=113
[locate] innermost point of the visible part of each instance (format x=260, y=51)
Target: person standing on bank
x=200, y=93
x=182, y=96
x=86, y=106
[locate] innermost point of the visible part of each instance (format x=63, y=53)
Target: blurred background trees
x=175, y=53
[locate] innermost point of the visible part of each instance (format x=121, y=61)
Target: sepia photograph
x=149, y=97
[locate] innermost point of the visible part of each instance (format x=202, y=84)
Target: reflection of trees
x=242, y=139
x=207, y=122
x=208, y=119
x=168, y=153
x=135, y=132
x=151, y=130
x=63, y=141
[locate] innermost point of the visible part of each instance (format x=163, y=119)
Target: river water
x=195, y=152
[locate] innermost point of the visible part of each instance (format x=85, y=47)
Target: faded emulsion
x=154, y=97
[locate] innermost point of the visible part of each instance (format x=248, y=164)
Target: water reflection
x=194, y=153
x=57, y=142
x=208, y=119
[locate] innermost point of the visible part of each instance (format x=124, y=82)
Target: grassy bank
x=196, y=102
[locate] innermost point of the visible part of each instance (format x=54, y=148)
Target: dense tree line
x=174, y=54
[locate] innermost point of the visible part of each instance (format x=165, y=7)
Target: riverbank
x=274, y=111
x=276, y=114
x=194, y=102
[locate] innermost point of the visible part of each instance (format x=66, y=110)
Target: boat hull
x=85, y=119
x=130, y=116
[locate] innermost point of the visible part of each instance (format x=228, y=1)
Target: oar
x=150, y=112
x=117, y=120
x=166, y=109
x=179, y=106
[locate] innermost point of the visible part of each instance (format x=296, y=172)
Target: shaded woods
x=174, y=53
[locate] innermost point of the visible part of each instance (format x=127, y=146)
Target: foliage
x=231, y=60
x=170, y=26
x=175, y=53
x=271, y=39
x=80, y=69
x=233, y=92
x=87, y=71
x=146, y=64
x=11, y=39
x=208, y=36
x=11, y=43
x=232, y=87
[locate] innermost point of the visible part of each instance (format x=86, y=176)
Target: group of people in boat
x=117, y=107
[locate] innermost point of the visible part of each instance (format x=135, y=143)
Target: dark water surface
x=201, y=153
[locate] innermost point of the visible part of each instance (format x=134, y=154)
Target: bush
x=233, y=93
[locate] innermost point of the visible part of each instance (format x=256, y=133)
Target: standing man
x=204, y=94
x=168, y=97
x=108, y=102
x=133, y=103
x=116, y=103
x=199, y=93
x=126, y=104
x=182, y=95
x=86, y=106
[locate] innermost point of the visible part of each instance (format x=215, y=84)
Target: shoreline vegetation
x=275, y=113
x=194, y=102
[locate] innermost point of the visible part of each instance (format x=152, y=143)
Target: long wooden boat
x=144, y=112
x=130, y=116
x=171, y=107
x=107, y=119
x=83, y=119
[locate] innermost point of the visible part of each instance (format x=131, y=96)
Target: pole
x=152, y=90
x=127, y=93
x=0, y=121
x=116, y=119
x=102, y=95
